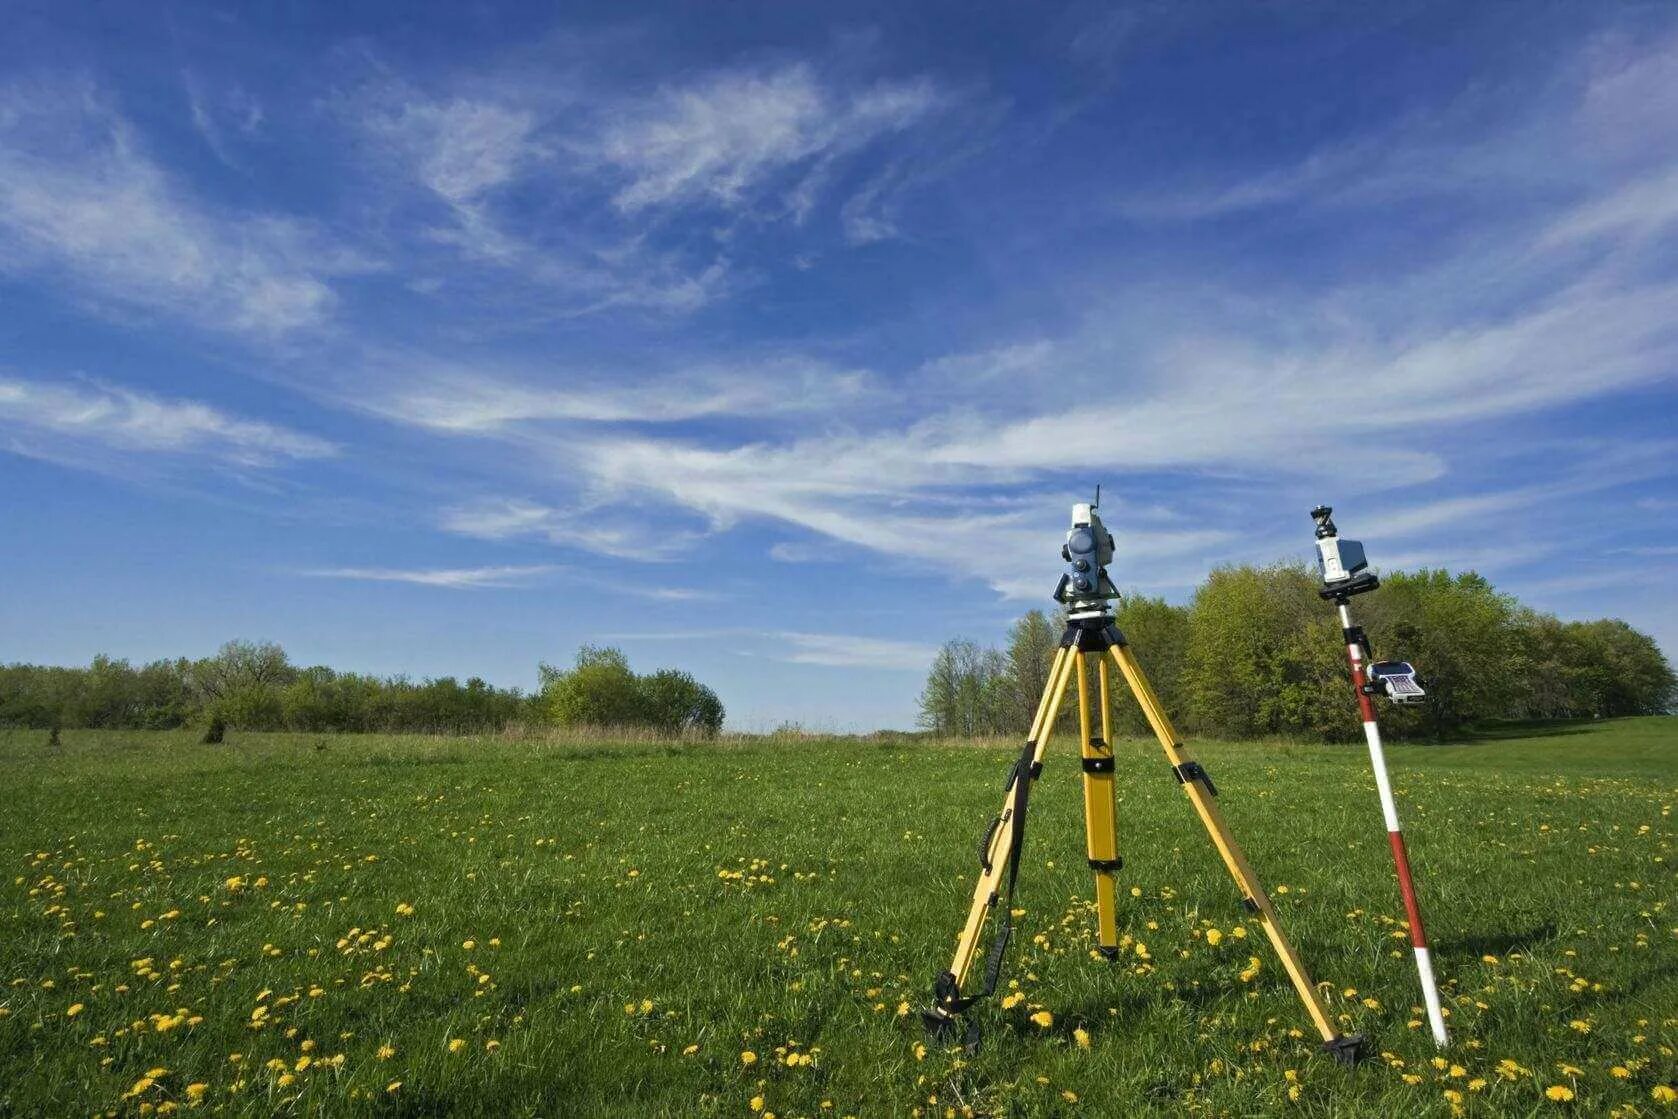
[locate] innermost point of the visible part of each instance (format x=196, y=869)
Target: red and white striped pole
x=1401, y=860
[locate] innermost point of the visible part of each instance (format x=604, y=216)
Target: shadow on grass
x=1539, y=728
x=1497, y=944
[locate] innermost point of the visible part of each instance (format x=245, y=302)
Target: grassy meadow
x=409, y=926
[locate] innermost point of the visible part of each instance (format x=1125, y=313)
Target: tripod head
x=1085, y=588
x=1344, y=568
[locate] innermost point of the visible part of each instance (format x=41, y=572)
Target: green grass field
x=291, y=924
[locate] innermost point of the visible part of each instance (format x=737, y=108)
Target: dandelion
x=73, y=1010
x=491, y=1045
x=1663, y=1093
x=1214, y=937
x=403, y=909
x=1561, y=1093
x=920, y=1054
x=757, y=1103
x=1069, y=1097
x=468, y=944
x=286, y=1080
x=195, y=1092
x=1619, y=1072
x=690, y=1050
x=456, y=1044
x=1082, y=1037
x=1579, y=1025
x=386, y=1052
x=748, y=1058
x=393, y=1087
x=1043, y=1019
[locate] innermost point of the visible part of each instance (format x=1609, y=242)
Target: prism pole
x=1395, y=836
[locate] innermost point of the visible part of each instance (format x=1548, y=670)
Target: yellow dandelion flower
x=393, y=1087
x=491, y=1045
x=74, y=1009
x=140, y=1086
x=1010, y=1001
x=690, y=1050
x=920, y=1053
x=1663, y=1093
x=456, y=1044
x=757, y=1103
x=468, y=944
x=1043, y=1019
x=748, y=1058
x=1069, y=1097
x=1579, y=1025
x=1214, y=937
x=1082, y=1037
x=1561, y=1093
x=195, y=1092
x=286, y=1080
x=386, y=1052
x=403, y=909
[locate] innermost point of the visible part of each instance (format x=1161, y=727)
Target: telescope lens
x=1081, y=541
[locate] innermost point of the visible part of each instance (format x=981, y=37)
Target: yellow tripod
x=1094, y=637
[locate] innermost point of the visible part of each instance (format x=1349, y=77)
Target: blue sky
x=773, y=340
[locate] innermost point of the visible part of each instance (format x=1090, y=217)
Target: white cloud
x=585, y=528
x=845, y=651
x=454, y=578
x=123, y=420
x=835, y=650
x=721, y=138
x=459, y=398
x=79, y=197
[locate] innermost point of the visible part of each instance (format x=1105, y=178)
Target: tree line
x=251, y=685
x=1256, y=652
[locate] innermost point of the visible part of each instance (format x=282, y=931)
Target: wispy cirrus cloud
x=502, y=518
x=462, y=397
x=832, y=650
x=637, y=180
x=81, y=199
x=453, y=578
x=728, y=135
x=51, y=419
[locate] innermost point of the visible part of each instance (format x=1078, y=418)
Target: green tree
x=1461, y=635
x=969, y=691
x=1260, y=657
x=1032, y=642
x=1158, y=633
x=598, y=691
x=673, y=702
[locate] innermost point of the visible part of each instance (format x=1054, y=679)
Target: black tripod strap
x=1021, y=784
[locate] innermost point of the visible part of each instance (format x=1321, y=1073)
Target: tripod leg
x=998, y=845
x=1198, y=785
x=1100, y=826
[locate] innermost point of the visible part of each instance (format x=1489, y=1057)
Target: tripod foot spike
x=1108, y=953
x=942, y=1028
x=1348, y=1049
